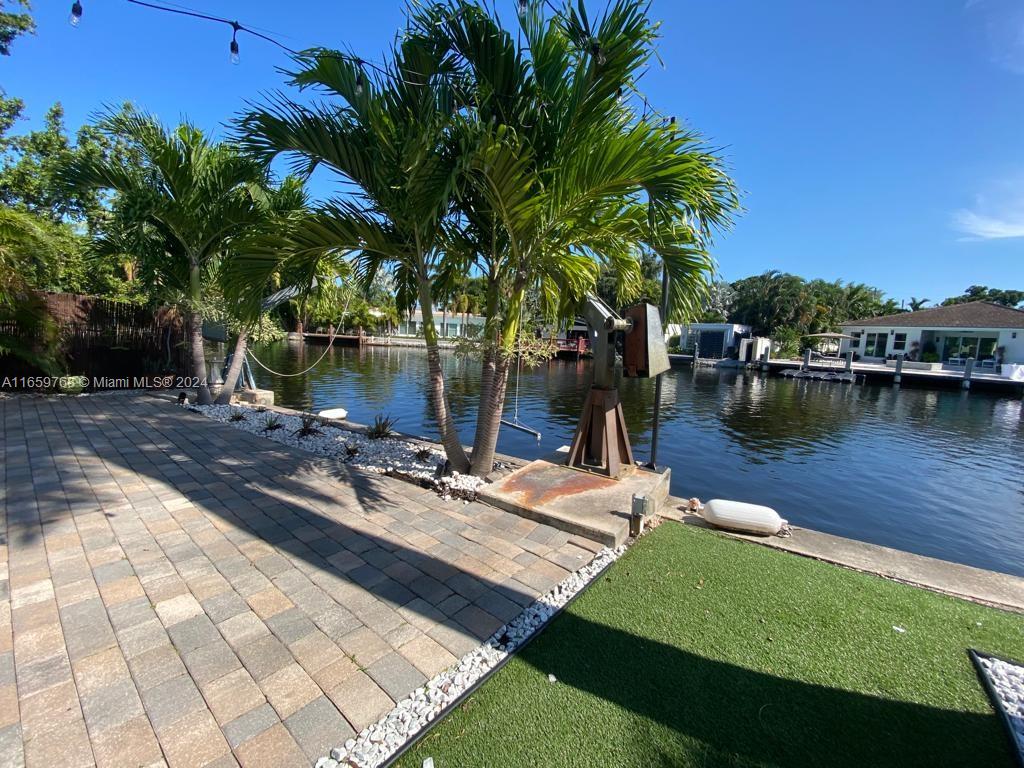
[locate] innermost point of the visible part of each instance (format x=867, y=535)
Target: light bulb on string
x=235, y=58
x=597, y=52
x=76, y=14
x=359, y=78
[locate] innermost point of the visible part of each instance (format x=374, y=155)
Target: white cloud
x=995, y=215
x=979, y=226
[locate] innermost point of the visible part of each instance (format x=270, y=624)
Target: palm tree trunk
x=446, y=424
x=203, y=396
x=488, y=422
x=495, y=382
x=491, y=337
x=234, y=370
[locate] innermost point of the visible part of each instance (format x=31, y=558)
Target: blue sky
x=875, y=141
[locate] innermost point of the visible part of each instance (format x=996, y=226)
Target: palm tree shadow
x=262, y=489
x=740, y=716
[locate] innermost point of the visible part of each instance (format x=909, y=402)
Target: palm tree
x=917, y=304
x=192, y=195
x=274, y=209
x=389, y=139
x=562, y=176
x=517, y=162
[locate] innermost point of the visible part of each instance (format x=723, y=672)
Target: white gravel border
x=377, y=743
x=1007, y=680
x=384, y=456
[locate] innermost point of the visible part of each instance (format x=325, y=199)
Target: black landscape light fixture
x=76, y=14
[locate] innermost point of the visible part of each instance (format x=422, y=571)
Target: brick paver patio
x=174, y=591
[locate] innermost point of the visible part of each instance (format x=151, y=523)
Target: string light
x=234, y=42
x=596, y=49
x=237, y=27
x=76, y=14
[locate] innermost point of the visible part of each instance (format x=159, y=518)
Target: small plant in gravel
x=236, y=415
x=272, y=423
x=351, y=451
x=424, y=455
x=310, y=426
x=383, y=426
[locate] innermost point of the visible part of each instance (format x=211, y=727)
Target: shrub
x=383, y=426
x=424, y=454
x=786, y=342
x=273, y=422
x=236, y=415
x=930, y=357
x=310, y=426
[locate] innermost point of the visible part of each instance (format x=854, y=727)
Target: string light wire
x=595, y=48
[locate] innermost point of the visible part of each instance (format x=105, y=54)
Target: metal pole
x=653, y=463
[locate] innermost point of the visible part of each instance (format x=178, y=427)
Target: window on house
x=899, y=342
x=874, y=344
x=962, y=347
x=987, y=347
x=855, y=341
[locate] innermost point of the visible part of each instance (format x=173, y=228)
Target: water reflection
x=935, y=472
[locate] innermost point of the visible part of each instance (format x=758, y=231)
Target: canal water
x=940, y=473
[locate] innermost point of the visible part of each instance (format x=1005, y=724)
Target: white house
x=448, y=326
x=990, y=333
x=708, y=340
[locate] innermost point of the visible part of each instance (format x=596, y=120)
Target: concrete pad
x=574, y=501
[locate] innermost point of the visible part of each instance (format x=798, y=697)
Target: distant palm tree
x=916, y=304
x=191, y=194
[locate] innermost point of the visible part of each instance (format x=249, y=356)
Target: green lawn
x=699, y=650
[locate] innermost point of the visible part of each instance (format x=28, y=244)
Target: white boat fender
x=334, y=413
x=744, y=517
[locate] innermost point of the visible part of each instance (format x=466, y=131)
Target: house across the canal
x=712, y=341
x=449, y=325
x=990, y=333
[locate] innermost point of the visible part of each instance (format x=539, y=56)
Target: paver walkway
x=175, y=591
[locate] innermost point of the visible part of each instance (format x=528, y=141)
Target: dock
x=874, y=373
x=870, y=373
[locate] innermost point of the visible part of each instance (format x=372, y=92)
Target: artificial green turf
x=696, y=650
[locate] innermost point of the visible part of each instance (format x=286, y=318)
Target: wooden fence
x=106, y=339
